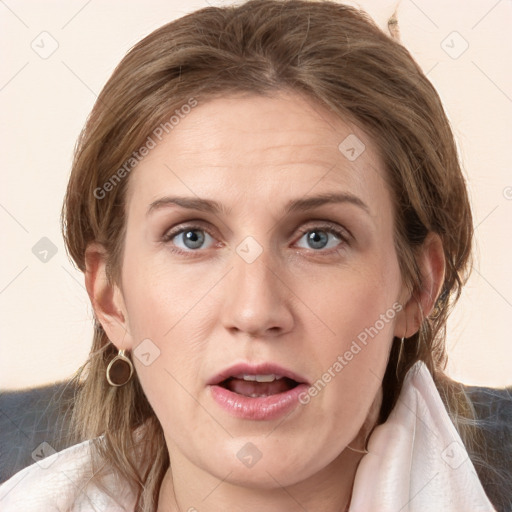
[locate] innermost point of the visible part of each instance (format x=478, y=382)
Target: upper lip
x=256, y=369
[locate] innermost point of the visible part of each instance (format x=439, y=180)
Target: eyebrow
x=293, y=206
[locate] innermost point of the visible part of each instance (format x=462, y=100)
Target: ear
x=106, y=298
x=420, y=304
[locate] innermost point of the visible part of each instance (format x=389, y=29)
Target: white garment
x=416, y=463
x=416, y=460
x=53, y=483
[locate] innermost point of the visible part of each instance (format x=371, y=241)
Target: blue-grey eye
x=319, y=239
x=191, y=238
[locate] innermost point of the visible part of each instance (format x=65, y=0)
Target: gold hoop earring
x=119, y=370
x=359, y=451
x=366, y=440
x=399, y=355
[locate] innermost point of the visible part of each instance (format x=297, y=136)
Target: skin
x=298, y=304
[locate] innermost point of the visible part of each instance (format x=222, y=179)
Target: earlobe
x=106, y=298
x=431, y=263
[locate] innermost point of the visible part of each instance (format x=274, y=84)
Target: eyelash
x=327, y=228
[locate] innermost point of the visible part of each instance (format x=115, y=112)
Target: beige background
x=464, y=47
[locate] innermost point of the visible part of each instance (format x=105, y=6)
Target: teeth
x=259, y=378
x=265, y=378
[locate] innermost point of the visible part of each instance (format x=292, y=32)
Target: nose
x=257, y=300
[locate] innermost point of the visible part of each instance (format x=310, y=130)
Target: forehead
x=248, y=147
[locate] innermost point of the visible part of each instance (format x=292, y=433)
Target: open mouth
x=257, y=392
x=256, y=386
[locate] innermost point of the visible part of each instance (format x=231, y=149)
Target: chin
x=257, y=463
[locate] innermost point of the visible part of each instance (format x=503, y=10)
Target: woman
x=269, y=211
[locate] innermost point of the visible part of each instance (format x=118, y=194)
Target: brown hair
x=335, y=55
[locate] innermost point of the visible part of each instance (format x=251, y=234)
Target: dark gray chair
x=494, y=412
x=29, y=418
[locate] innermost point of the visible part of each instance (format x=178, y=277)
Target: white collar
x=416, y=461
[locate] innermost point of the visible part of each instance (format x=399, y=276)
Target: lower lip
x=263, y=408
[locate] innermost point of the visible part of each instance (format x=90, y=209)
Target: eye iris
x=193, y=237
x=317, y=237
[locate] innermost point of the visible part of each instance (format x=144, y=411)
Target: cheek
x=359, y=308
x=160, y=309
x=158, y=295
x=348, y=300
x=360, y=322
x=166, y=308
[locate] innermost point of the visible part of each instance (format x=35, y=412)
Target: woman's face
x=270, y=276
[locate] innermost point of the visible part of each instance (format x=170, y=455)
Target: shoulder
x=58, y=482
x=46, y=484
